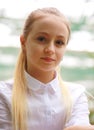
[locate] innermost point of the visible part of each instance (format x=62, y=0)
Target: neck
x=44, y=77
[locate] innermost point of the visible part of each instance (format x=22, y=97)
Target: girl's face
x=45, y=45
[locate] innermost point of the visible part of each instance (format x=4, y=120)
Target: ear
x=22, y=41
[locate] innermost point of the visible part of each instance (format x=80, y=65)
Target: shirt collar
x=38, y=86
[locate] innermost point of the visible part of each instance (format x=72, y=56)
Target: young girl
x=37, y=98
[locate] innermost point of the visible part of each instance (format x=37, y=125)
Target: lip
x=48, y=59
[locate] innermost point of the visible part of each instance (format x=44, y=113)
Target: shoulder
x=6, y=88
x=77, y=91
x=6, y=85
x=5, y=100
x=73, y=87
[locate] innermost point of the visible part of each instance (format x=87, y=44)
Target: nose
x=50, y=48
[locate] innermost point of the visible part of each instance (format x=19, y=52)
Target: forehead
x=50, y=22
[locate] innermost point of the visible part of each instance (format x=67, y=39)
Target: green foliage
x=67, y=73
x=77, y=25
x=91, y=117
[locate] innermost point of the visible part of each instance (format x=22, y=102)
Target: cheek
x=33, y=51
x=60, y=54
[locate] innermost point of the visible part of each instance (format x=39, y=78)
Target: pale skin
x=44, y=49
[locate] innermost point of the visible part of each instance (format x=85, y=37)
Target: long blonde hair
x=19, y=94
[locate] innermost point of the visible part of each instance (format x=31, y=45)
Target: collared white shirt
x=47, y=111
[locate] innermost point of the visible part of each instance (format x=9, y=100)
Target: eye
x=41, y=39
x=60, y=42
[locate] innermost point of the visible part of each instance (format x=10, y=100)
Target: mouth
x=48, y=59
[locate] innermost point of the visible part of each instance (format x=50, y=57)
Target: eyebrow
x=45, y=33
x=61, y=36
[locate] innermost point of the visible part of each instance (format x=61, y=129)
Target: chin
x=48, y=69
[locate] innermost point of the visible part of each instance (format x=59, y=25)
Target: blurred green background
x=78, y=63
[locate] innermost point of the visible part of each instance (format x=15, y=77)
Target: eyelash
x=41, y=39
x=60, y=42
x=57, y=42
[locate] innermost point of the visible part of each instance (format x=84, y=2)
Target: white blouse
x=45, y=104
